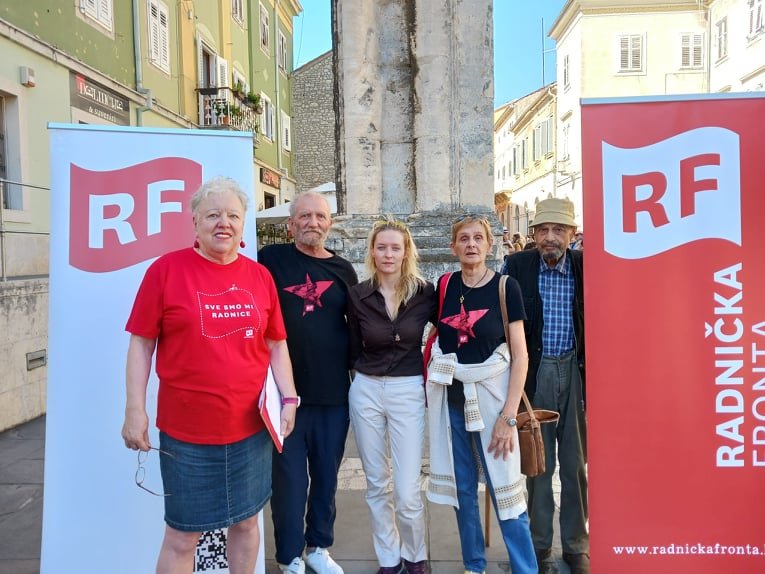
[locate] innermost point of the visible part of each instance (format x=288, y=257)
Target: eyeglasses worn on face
x=140, y=473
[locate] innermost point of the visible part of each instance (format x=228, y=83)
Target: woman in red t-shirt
x=213, y=317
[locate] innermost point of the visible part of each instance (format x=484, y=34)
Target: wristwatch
x=509, y=420
x=291, y=401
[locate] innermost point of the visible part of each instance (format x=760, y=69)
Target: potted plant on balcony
x=238, y=90
x=254, y=100
x=221, y=109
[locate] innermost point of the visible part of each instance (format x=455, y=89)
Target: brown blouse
x=384, y=347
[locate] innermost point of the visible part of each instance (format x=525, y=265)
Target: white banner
x=119, y=198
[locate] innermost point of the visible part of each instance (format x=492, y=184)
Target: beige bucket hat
x=555, y=210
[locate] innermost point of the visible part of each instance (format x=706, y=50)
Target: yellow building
x=524, y=145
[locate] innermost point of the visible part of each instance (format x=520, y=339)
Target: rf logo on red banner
x=661, y=196
x=121, y=217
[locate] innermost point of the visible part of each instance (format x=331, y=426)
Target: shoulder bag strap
x=503, y=307
x=442, y=285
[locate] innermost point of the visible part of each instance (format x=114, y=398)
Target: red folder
x=270, y=406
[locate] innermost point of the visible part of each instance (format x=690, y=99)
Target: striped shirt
x=556, y=287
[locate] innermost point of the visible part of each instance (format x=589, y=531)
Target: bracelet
x=291, y=401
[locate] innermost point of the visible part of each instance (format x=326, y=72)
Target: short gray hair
x=293, y=204
x=215, y=186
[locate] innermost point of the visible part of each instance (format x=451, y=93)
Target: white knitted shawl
x=485, y=386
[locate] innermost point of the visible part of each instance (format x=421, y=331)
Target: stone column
x=415, y=118
x=359, y=111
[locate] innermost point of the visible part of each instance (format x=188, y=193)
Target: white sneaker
x=321, y=562
x=297, y=566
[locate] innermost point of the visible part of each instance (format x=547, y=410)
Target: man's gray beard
x=313, y=240
x=552, y=256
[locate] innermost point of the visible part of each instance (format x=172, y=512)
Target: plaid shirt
x=556, y=287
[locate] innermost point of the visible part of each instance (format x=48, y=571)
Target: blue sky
x=518, y=39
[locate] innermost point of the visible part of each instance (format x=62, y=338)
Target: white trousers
x=388, y=418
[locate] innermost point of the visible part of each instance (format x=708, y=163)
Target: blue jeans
x=515, y=532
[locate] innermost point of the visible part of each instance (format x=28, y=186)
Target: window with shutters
x=536, y=140
x=525, y=153
x=99, y=11
x=265, y=29
x=631, y=53
x=282, y=55
x=223, y=77
x=267, y=118
x=207, y=69
x=691, y=51
x=237, y=10
x=566, y=77
x=240, y=80
x=286, y=132
x=159, y=35
x=721, y=30
x=14, y=196
x=565, y=131
x=547, y=147
x=755, y=17
x=515, y=160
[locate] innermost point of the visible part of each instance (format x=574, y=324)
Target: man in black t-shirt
x=313, y=287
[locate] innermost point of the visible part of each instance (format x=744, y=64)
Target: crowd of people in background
x=344, y=352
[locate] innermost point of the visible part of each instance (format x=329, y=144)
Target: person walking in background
x=387, y=315
x=551, y=281
x=215, y=454
x=518, y=242
x=313, y=286
x=475, y=383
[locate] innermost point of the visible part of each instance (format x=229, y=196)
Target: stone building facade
x=313, y=123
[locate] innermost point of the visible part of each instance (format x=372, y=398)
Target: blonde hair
x=468, y=219
x=411, y=280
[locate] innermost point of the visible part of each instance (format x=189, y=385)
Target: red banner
x=128, y=215
x=675, y=315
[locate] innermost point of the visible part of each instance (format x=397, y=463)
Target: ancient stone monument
x=414, y=107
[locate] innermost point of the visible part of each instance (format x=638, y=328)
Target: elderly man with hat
x=552, y=285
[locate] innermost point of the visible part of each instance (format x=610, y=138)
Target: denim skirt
x=211, y=486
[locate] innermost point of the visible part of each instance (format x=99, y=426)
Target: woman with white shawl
x=475, y=382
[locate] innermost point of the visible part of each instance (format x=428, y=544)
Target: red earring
x=196, y=244
x=242, y=244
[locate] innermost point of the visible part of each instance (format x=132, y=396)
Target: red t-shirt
x=210, y=322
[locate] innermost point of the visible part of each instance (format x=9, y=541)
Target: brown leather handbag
x=530, y=420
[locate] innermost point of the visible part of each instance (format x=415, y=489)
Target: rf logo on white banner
x=673, y=192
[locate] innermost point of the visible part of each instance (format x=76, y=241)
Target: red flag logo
x=122, y=217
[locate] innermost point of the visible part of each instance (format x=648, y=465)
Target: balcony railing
x=221, y=108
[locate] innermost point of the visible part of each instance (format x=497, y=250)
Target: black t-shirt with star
x=313, y=294
x=474, y=329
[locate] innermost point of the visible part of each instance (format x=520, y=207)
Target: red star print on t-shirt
x=310, y=292
x=464, y=323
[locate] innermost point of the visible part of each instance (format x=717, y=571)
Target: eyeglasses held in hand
x=140, y=473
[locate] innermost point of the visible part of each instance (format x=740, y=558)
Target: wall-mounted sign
x=270, y=177
x=88, y=96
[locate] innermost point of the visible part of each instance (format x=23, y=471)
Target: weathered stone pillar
x=414, y=103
